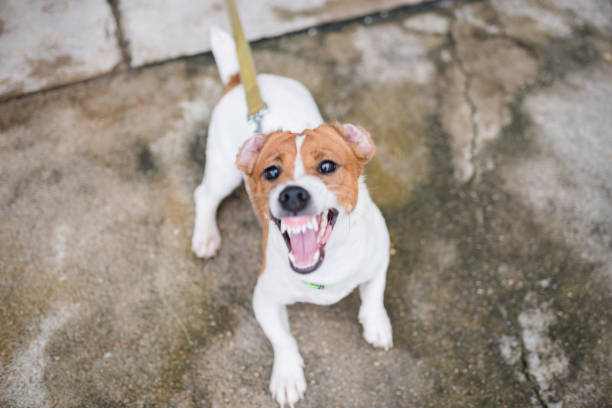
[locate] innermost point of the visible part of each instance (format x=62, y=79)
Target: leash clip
x=256, y=119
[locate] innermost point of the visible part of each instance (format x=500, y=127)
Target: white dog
x=322, y=233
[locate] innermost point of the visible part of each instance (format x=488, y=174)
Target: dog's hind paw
x=377, y=329
x=287, y=383
x=205, y=245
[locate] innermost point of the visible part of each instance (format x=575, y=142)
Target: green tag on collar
x=314, y=285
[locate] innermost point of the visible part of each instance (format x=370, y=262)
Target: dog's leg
x=372, y=314
x=287, y=383
x=221, y=177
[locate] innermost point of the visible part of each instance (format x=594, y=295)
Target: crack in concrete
x=465, y=93
x=473, y=110
x=528, y=376
x=122, y=41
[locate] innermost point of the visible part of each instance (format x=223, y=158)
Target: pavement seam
x=122, y=41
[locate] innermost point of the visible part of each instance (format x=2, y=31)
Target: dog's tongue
x=303, y=244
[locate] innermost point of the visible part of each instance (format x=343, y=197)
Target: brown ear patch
x=247, y=154
x=328, y=142
x=359, y=139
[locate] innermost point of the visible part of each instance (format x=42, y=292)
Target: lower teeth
x=314, y=261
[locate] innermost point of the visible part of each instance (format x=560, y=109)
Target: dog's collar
x=315, y=285
x=318, y=286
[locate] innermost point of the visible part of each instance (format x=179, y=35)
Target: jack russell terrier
x=322, y=233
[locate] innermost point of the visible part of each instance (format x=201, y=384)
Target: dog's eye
x=327, y=166
x=271, y=173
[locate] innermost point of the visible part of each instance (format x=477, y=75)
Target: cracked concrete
x=545, y=359
x=493, y=172
x=492, y=71
x=51, y=43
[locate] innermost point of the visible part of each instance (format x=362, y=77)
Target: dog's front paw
x=205, y=242
x=377, y=329
x=287, y=383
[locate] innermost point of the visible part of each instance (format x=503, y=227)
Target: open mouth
x=306, y=237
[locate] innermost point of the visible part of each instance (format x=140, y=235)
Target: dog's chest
x=333, y=293
x=290, y=287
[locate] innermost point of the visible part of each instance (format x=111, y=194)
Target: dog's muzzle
x=294, y=199
x=304, y=234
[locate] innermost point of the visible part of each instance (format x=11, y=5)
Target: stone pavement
x=493, y=170
x=49, y=43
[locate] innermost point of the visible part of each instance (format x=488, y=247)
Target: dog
x=322, y=234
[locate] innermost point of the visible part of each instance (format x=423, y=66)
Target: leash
x=256, y=105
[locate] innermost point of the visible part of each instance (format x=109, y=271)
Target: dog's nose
x=293, y=198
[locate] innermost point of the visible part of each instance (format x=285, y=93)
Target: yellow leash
x=247, y=70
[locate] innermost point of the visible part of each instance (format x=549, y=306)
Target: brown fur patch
x=362, y=156
x=279, y=150
x=233, y=82
x=327, y=142
x=264, y=244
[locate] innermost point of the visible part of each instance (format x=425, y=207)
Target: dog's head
x=304, y=183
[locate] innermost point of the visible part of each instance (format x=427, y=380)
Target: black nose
x=293, y=198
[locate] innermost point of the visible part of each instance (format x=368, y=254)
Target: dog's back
x=289, y=104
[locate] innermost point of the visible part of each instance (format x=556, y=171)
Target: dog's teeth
x=323, y=227
x=316, y=257
x=312, y=224
x=283, y=227
x=292, y=258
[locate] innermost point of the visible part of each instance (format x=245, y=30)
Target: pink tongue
x=304, y=247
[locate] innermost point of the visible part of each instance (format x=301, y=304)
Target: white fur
x=290, y=107
x=224, y=49
x=356, y=254
x=298, y=168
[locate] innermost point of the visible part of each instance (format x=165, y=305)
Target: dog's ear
x=359, y=140
x=245, y=160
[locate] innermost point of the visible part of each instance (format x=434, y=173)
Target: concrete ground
x=493, y=170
